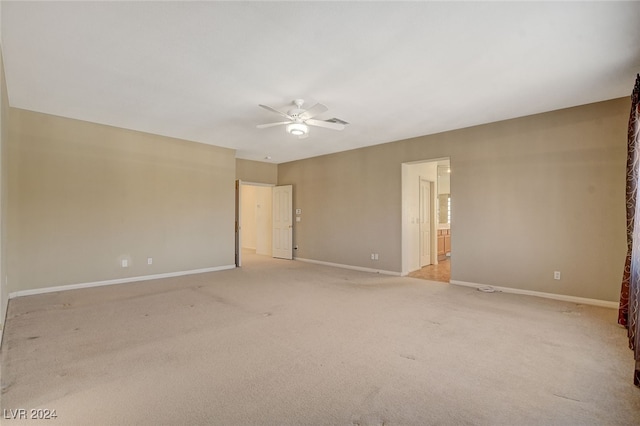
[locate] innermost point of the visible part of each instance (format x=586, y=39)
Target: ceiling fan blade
x=264, y=126
x=327, y=124
x=313, y=111
x=267, y=107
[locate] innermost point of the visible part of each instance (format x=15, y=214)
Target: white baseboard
x=355, y=268
x=116, y=281
x=562, y=297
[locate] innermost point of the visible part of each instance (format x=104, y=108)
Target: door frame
x=238, y=219
x=409, y=258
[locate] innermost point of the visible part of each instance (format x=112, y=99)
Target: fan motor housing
x=295, y=113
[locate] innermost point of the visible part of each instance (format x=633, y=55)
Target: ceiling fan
x=299, y=119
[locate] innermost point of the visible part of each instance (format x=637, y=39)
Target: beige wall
x=351, y=207
x=84, y=196
x=532, y=195
x=256, y=171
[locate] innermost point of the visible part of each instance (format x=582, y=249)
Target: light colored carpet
x=285, y=342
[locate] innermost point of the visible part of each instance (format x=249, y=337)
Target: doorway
x=264, y=221
x=426, y=219
x=254, y=219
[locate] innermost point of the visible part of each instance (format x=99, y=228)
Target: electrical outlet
x=125, y=263
x=556, y=275
x=149, y=260
x=373, y=256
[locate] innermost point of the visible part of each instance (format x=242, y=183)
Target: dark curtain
x=630, y=291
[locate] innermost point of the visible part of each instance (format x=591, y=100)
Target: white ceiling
x=198, y=70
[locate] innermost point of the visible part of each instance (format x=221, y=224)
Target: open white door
x=425, y=222
x=283, y=222
x=238, y=227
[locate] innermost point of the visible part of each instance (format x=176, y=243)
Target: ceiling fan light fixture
x=297, y=129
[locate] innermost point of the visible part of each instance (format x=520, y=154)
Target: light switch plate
x=298, y=211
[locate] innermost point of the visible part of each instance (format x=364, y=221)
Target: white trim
x=355, y=268
x=256, y=183
x=428, y=160
x=562, y=297
x=116, y=281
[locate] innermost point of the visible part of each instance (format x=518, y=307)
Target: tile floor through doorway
x=440, y=272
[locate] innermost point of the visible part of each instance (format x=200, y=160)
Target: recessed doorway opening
x=264, y=220
x=253, y=219
x=426, y=219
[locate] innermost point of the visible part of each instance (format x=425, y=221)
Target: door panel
x=283, y=222
x=425, y=222
x=238, y=229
